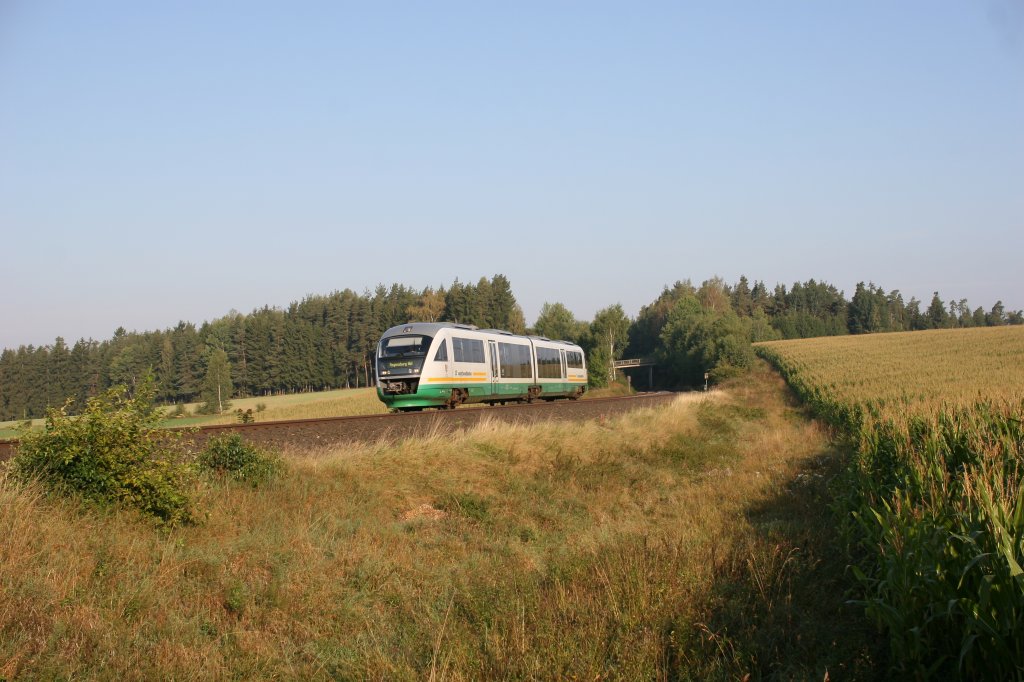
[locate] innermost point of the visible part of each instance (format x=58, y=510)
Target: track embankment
x=309, y=434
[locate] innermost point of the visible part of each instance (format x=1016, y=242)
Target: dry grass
x=671, y=543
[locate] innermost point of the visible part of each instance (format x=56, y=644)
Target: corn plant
x=932, y=500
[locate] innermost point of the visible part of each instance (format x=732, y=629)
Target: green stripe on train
x=429, y=396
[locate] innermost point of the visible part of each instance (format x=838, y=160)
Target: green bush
x=230, y=456
x=112, y=453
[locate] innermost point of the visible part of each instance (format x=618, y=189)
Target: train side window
x=515, y=361
x=574, y=359
x=442, y=352
x=549, y=363
x=467, y=350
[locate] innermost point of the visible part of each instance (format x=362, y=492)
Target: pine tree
x=455, y=304
x=759, y=296
x=85, y=370
x=504, y=311
x=165, y=370
x=742, y=299
x=859, y=310
x=7, y=386
x=240, y=361
x=482, y=314
x=187, y=360
x=61, y=386
x=936, y=317
x=915, y=320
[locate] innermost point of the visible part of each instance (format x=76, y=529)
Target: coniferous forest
x=327, y=341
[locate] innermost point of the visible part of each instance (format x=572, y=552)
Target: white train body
x=439, y=364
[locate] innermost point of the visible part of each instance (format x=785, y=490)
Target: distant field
x=919, y=371
x=11, y=429
x=339, y=403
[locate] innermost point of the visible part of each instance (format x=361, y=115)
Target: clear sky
x=175, y=160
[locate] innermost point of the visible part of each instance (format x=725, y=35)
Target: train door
x=561, y=353
x=442, y=358
x=495, y=374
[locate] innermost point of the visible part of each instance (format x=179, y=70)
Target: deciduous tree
x=217, y=386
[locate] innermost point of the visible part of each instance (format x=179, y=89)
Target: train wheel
x=458, y=397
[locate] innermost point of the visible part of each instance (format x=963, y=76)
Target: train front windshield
x=402, y=354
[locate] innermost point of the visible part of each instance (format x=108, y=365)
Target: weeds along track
x=321, y=432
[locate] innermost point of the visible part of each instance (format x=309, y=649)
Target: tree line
x=318, y=343
x=691, y=330
x=326, y=342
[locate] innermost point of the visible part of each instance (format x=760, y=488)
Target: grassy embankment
x=934, y=496
x=313, y=405
x=680, y=542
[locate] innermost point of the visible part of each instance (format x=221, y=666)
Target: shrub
x=230, y=456
x=112, y=453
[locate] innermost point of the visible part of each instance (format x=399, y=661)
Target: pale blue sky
x=166, y=161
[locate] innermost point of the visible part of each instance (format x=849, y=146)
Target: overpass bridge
x=635, y=363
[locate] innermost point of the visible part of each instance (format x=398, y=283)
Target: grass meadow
x=345, y=402
x=682, y=542
x=932, y=500
x=311, y=405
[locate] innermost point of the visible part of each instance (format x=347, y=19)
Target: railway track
x=324, y=432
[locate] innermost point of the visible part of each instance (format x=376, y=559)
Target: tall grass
x=933, y=498
x=648, y=546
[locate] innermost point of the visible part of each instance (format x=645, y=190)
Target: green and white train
x=443, y=365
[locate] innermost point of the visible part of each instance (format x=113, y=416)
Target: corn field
x=932, y=502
